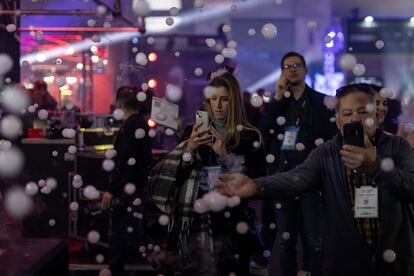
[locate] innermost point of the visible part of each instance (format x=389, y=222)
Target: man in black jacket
x=377, y=179
x=128, y=181
x=296, y=122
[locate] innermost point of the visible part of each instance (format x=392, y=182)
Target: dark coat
x=344, y=251
x=127, y=146
x=321, y=125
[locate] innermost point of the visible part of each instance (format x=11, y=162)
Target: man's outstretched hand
x=236, y=184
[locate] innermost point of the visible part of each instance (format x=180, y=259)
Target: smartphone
x=354, y=134
x=202, y=117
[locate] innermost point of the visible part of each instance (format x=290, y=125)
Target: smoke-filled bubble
x=141, y=59
x=359, y=69
x=6, y=63
x=90, y=192
x=131, y=161
x=280, y=120
x=347, y=62
x=387, y=164
x=118, y=114
x=251, y=32
x=199, y=4
x=68, y=133
x=169, y=21
x=173, y=11
x=72, y=149
x=74, y=206
x=233, y=201
x=17, y=203
x=200, y=207
x=108, y=165
x=11, y=162
x=163, y=220
x=93, y=236
x=269, y=31
x=141, y=96
x=42, y=114
x=14, y=99
x=242, y=227
x=389, y=255
x=319, y=141
x=256, y=100
x=219, y=58
x=11, y=127
x=31, y=188
x=270, y=158
x=99, y=258
x=139, y=133
x=141, y=8
x=110, y=153
x=173, y=92
x=129, y=188
x=215, y=201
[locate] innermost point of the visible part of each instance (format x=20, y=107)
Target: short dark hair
x=352, y=88
x=293, y=54
x=126, y=96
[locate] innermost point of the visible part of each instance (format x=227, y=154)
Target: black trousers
x=301, y=215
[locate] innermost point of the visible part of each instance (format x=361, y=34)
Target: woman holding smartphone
x=208, y=243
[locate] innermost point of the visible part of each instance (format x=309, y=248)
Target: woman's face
x=219, y=103
x=382, y=107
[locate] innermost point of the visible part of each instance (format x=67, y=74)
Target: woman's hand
x=217, y=144
x=198, y=137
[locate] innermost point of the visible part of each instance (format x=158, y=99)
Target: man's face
x=294, y=70
x=353, y=108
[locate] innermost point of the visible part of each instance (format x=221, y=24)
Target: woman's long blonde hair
x=236, y=114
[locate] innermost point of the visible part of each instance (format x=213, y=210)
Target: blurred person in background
x=207, y=243
x=128, y=181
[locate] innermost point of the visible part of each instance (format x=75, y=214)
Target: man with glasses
x=368, y=223
x=296, y=122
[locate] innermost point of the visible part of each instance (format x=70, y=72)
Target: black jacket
x=254, y=165
x=344, y=251
x=127, y=146
x=321, y=125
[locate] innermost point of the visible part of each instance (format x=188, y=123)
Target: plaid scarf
x=177, y=199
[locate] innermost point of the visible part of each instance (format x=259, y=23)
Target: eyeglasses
x=363, y=87
x=292, y=66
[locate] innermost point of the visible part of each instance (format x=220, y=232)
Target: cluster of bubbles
x=215, y=202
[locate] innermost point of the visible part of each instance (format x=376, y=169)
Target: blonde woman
x=208, y=243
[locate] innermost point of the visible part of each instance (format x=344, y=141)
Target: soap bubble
x=93, y=236
x=129, y=188
x=169, y=21
x=141, y=59
x=42, y=114
x=118, y=114
x=74, y=206
x=242, y=227
x=215, y=201
x=198, y=4
x=11, y=127
x=108, y=165
x=6, y=63
x=141, y=8
x=389, y=256
x=17, y=203
x=11, y=162
x=163, y=220
x=269, y=31
x=90, y=192
x=31, y=188
x=387, y=164
x=358, y=69
x=139, y=133
x=270, y=158
x=347, y=62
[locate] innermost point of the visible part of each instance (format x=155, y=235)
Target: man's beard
x=294, y=83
